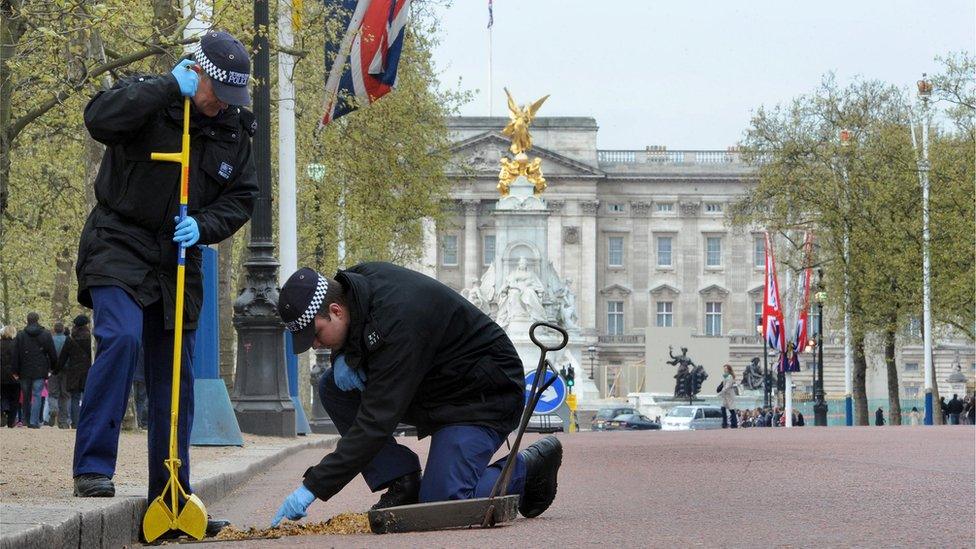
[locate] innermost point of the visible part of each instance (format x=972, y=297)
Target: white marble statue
x=566, y=300
x=474, y=295
x=520, y=297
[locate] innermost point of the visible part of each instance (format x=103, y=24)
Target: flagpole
x=848, y=333
x=288, y=15
x=789, y=398
x=491, y=87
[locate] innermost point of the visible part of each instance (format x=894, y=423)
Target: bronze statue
x=752, y=376
x=682, y=378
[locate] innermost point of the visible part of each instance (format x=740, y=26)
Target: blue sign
x=552, y=398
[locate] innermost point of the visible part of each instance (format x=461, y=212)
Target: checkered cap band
x=208, y=66
x=297, y=325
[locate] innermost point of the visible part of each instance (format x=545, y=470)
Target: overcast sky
x=689, y=73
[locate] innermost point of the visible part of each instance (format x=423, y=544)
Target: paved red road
x=863, y=487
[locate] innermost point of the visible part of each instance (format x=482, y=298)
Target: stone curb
x=115, y=522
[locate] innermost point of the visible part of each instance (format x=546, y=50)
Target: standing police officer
x=127, y=253
x=407, y=348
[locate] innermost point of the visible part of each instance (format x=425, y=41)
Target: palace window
x=713, y=251
x=759, y=252
x=615, y=252
x=488, y=250
x=615, y=317
x=911, y=366
x=665, y=314
x=449, y=250
x=665, y=207
x=713, y=318
x=713, y=207
x=616, y=208
x=664, y=251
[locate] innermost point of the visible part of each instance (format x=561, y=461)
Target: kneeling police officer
x=406, y=348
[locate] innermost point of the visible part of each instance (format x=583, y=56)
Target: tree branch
x=95, y=72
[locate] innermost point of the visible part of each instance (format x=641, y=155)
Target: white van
x=692, y=418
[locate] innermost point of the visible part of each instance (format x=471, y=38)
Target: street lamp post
x=924, y=94
x=845, y=141
x=261, y=398
x=820, y=403
x=591, y=351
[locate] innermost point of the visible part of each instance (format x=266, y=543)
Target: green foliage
x=388, y=159
x=385, y=163
x=869, y=190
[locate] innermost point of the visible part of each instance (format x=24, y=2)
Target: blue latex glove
x=294, y=506
x=347, y=378
x=187, y=231
x=186, y=77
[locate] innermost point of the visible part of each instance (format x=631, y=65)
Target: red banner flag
x=772, y=314
x=802, y=320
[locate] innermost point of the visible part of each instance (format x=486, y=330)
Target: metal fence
x=667, y=157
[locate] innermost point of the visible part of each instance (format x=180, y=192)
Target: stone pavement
x=801, y=487
x=66, y=521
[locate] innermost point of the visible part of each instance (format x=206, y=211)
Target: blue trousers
x=32, y=389
x=121, y=326
x=457, y=464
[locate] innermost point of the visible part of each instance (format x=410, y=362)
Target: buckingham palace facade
x=642, y=235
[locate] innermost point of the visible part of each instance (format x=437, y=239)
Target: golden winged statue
x=518, y=128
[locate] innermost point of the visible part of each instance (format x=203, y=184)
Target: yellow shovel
x=162, y=516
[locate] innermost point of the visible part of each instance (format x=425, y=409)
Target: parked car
x=606, y=414
x=545, y=423
x=692, y=418
x=633, y=422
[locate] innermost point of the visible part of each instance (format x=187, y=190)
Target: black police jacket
x=431, y=359
x=127, y=240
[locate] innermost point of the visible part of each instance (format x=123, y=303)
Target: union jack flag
x=800, y=335
x=364, y=63
x=772, y=315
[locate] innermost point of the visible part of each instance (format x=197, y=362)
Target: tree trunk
x=861, y=416
x=11, y=29
x=60, y=298
x=225, y=305
x=166, y=15
x=894, y=402
x=6, y=298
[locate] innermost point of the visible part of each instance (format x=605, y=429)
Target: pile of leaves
x=346, y=523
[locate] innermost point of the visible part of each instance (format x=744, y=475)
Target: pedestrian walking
x=127, y=253
x=59, y=399
x=727, y=390
x=944, y=407
x=954, y=410
x=879, y=418
x=9, y=384
x=914, y=417
x=798, y=420
x=34, y=359
x=969, y=410
x=74, y=363
x=455, y=375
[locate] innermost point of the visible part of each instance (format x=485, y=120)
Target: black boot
x=93, y=485
x=402, y=491
x=542, y=461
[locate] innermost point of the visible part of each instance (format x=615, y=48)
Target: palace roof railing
x=663, y=156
